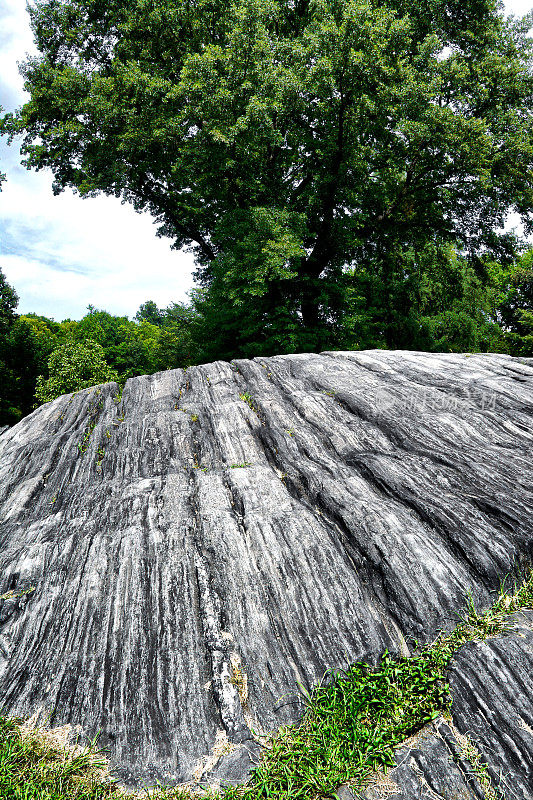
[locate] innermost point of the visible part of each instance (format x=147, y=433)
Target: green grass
x=34, y=767
x=353, y=722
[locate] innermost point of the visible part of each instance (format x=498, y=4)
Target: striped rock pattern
x=213, y=536
x=487, y=749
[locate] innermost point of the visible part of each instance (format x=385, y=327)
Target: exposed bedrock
x=215, y=535
x=488, y=745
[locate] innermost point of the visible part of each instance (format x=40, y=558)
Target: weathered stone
x=430, y=769
x=218, y=534
x=345, y=792
x=492, y=689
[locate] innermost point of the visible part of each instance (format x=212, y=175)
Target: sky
x=64, y=253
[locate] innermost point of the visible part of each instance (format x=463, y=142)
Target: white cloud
x=116, y=259
x=519, y=7
x=62, y=253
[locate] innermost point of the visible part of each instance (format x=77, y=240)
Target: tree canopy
x=19, y=358
x=299, y=147
x=41, y=359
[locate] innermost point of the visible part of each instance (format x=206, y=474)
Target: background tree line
x=441, y=303
x=41, y=359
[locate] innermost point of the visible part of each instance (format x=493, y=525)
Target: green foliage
x=35, y=767
x=74, y=366
x=513, y=301
x=19, y=359
x=8, y=303
x=354, y=720
x=2, y=174
x=432, y=299
x=130, y=347
x=142, y=346
x=302, y=150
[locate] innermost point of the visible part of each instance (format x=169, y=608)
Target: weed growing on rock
x=16, y=594
x=84, y=444
x=350, y=729
x=94, y=412
x=249, y=400
x=478, y=769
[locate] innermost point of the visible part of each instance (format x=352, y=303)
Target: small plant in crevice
x=84, y=444
x=247, y=398
x=470, y=754
x=95, y=410
x=239, y=680
x=16, y=594
x=197, y=464
x=192, y=415
x=269, y=374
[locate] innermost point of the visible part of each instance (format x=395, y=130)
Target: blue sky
x=62, y=253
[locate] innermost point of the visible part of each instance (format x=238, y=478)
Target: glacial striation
x=203, y=542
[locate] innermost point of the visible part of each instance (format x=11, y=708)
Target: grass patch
x=353, y=722
x=16, y=594
x=34, y=766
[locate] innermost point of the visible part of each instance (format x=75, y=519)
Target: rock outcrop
x=202, y=543
x=489, y=742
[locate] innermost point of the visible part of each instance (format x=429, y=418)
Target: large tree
x=289, y=142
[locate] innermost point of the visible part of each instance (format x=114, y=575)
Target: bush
x=74, y=366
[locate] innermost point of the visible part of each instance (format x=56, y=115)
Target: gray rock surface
x=492, y=689
x=492, y=686
x=216, y=535
x=434, y=767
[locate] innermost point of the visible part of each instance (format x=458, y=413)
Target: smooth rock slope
x=213, y=536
